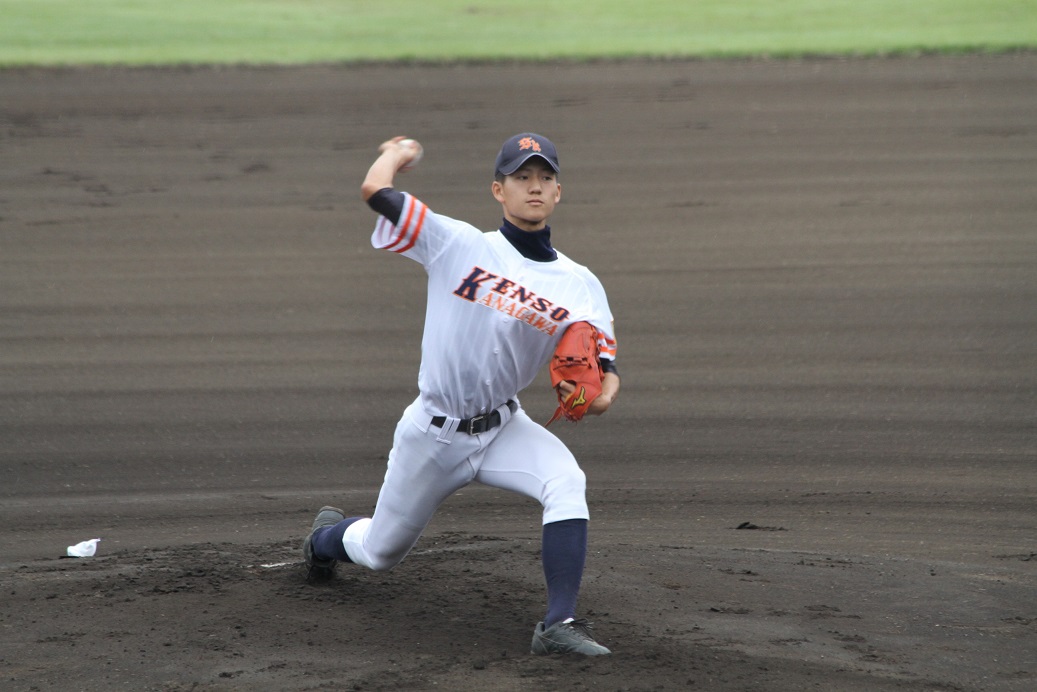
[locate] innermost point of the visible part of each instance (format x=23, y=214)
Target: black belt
x=478, y=424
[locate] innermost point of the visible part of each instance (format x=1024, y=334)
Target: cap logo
x=529, y=143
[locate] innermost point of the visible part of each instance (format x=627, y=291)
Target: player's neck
x=525, y=225
x=534, y=245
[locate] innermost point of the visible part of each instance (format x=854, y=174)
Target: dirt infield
x=821, y=472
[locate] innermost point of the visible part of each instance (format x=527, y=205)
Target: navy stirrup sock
x=563, y=553
x=327, y=542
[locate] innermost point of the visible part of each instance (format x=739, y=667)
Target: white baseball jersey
x=493, y=317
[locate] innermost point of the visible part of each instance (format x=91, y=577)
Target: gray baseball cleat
x=320, y=568
x=566, y=637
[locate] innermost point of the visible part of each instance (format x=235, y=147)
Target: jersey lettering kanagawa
x=509, y=311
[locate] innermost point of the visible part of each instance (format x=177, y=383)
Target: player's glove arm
x=388, y=202
x=584, y=381
x=609, y=392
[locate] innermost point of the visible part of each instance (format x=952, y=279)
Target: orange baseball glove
x=575, y=360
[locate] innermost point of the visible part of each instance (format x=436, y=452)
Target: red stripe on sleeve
x=401, y=228
x=417, y=230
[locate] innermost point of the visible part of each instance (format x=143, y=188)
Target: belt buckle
x=480, y=422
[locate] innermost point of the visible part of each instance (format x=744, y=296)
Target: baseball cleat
x=566, y=637
x=320, y=568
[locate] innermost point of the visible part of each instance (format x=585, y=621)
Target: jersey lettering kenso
x=507, y=296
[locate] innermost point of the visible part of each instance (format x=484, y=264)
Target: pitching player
x=497, y=305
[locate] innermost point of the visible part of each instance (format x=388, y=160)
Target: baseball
x=414, y=145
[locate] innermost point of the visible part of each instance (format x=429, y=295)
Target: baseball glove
x=575, y=360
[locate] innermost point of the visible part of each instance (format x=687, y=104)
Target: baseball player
x=497, y=305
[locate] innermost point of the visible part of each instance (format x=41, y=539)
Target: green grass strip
x=139, y=32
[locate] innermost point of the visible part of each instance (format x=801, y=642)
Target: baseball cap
x=522, y=147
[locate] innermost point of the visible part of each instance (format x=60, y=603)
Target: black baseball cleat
x=566, y=637
x=320, y=569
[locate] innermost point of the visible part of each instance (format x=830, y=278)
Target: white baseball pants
x=424, y=469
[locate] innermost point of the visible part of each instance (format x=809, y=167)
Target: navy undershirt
x=387, y=202
x=533, y=245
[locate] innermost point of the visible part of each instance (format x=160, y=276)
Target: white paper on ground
x=84, y=549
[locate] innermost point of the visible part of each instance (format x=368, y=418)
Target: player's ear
x=497, y=188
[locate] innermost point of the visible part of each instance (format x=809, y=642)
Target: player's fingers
x=565, y=388
x=391, y=142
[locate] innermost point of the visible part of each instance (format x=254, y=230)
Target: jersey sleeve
x=401, y=236
x=607, y=344
x=421, y=234
x=599, y=315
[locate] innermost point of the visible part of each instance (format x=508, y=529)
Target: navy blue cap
x=520, y=148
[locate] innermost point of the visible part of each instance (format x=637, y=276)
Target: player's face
x=529, y=195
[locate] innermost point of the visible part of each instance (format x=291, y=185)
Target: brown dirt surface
x=821, y=473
